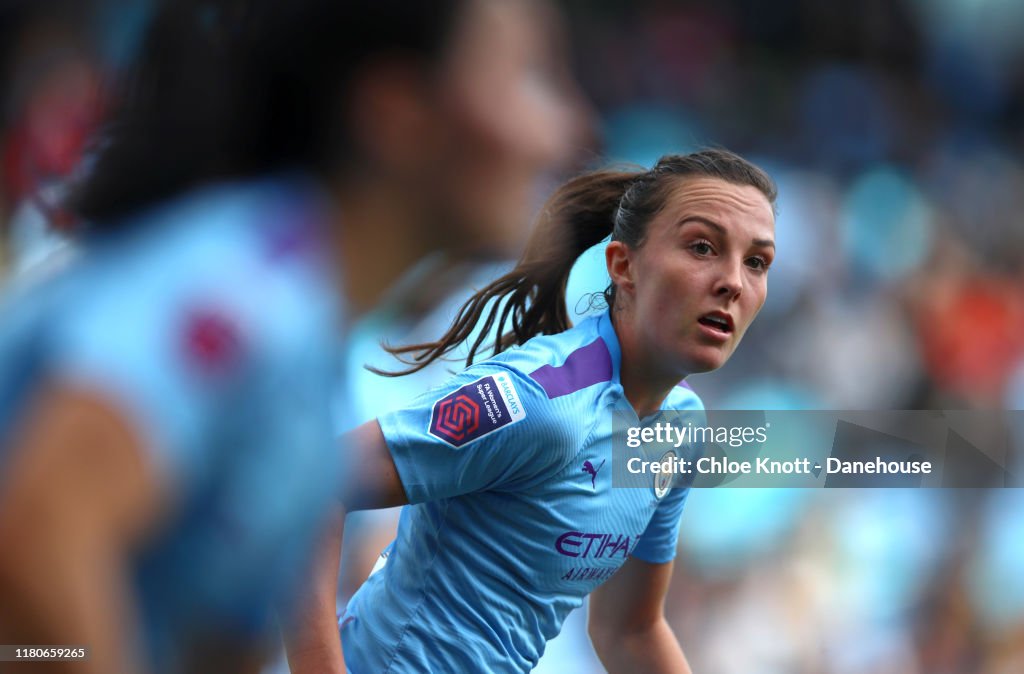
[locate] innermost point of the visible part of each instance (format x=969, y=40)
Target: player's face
x=510, y=112
x=700, y=277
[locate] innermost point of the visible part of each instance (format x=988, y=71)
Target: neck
x=644, y=383
x=380, y=237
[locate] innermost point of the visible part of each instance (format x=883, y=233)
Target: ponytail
x=579, y=215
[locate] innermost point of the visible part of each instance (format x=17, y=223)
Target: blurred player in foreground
x=166, y=448
x=179, y=370
x=512, y=518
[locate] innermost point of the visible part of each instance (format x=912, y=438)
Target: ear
x=619, y=259
x=391, y=116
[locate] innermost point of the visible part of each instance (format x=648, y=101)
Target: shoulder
x=225, y=266
x=572, y=366
x=181, y=319
x=565, y=378
x=545, y=389
x=490, y=403
x=485, y=397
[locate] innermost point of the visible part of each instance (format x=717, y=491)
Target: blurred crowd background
x=895, y=130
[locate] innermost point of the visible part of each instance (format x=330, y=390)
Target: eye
x=702, y=247
x=759, y=263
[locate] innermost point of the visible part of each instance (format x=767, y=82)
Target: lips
x=719, y=321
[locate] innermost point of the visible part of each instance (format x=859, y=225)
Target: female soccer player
x=512, y=520
x=166, y=448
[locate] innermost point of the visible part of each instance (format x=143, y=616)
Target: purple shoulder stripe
x=684, y=385
x=586, y=366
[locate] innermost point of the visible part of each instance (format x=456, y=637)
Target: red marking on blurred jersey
x=211, y=340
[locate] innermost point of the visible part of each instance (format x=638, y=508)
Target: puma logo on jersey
x=589, y=468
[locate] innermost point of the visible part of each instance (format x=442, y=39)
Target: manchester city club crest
x=663, y=481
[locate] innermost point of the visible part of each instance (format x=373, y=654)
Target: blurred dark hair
x=232, y=88
x=580, y=214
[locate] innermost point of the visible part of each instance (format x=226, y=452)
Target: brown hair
x=578, y=215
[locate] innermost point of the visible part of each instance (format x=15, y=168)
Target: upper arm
x=373, y=480
x=632, y=600
x=79, y=497
x=77, y=467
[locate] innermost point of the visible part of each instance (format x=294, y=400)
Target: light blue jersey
x=211, y=324
x=513, y=518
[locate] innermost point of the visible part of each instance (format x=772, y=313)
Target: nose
x=729, y=284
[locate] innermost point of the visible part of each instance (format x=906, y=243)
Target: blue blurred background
x=895, y=130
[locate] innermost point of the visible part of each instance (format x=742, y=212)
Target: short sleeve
x=490, y=427
x=658, y=543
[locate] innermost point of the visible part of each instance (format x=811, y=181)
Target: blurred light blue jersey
x=513, y=518
x=210, y=323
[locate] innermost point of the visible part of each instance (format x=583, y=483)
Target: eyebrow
x=767, y=243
